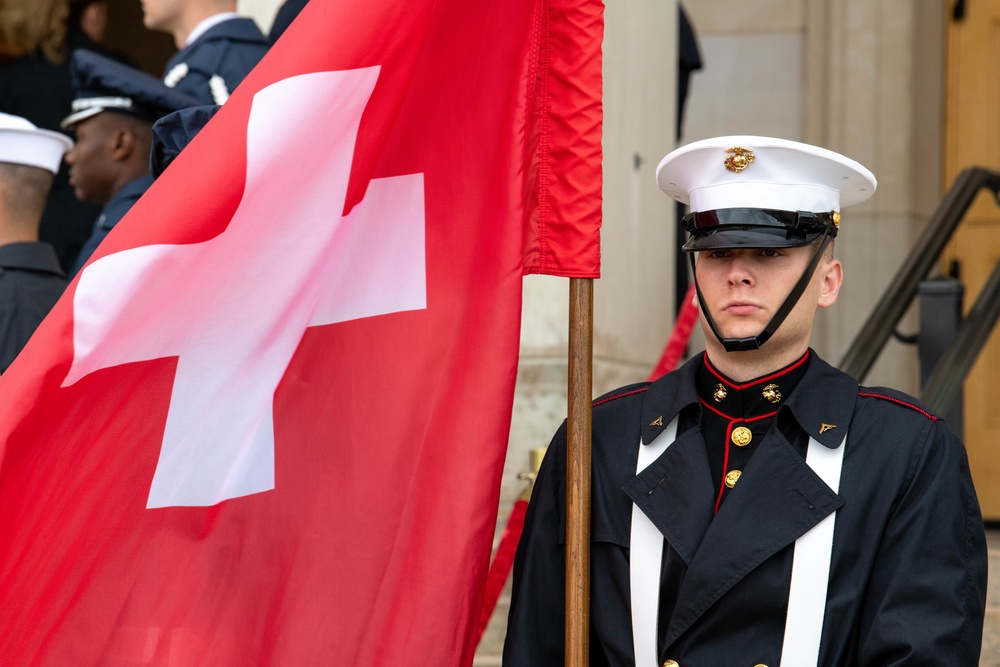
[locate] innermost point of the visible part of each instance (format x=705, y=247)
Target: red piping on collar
x=783, y=371
x=611, y=398
x=748, y=420
x=897, y=401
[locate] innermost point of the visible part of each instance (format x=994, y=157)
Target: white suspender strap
x=811, y=568
x=645, y=556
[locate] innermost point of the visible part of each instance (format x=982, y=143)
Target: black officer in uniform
x=31, y=280
x=757, y=507
x=113, y=116
x=217, y=47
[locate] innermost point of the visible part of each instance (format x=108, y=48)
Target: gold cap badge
x=739, y=160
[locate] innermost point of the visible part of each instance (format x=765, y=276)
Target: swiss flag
x=266, y=423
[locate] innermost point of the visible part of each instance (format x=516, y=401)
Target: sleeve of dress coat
x=535, y=623
x=925, y=600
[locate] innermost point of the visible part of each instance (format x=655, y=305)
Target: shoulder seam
x=865, y=394
x=616, y=396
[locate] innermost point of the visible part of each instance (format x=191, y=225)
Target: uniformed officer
x=112, y=116
x=31, y=279
x=217, y=48
x=757, y=507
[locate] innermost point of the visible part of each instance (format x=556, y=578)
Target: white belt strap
x=811, y=568
x=645, y=556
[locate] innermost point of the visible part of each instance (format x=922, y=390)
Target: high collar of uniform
x=755, y=398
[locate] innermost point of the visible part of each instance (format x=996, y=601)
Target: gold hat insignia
x=740, y=159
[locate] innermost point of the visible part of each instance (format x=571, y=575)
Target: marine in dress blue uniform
x=104, y=86
x=210, y=67
x=733, y=496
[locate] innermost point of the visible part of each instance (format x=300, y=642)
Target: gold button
x=732, y=477
x=741, y=436
x=760, y=664
x=671, y=663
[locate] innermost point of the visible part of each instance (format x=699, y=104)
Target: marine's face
x=161, y=15
x=744, y=288
x=91, y=161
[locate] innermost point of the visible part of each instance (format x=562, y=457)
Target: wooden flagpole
x=578, y=461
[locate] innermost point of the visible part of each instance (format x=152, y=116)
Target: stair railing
x=946, y=381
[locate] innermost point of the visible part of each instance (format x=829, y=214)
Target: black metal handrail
x=887, y=313
x=945, y=383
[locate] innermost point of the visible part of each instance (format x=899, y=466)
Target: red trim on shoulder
x=897, y=401
x=611, y=398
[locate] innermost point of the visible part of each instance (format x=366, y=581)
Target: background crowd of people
x=57, y=76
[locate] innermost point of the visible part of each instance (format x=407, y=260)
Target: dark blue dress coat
x=908, y=574
x=210, y=68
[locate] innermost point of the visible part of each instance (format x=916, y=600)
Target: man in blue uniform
x=31, y=280
x=113, y=116
x=757, y=507
x=217, y=47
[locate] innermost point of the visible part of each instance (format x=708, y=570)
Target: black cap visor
x=755, y=228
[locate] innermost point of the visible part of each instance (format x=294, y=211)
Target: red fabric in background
x=390, y=431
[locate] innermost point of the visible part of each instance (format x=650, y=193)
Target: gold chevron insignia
x=827, y=427
x=658, y=422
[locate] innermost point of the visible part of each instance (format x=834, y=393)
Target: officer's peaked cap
x=103, y=84
x=748, y=191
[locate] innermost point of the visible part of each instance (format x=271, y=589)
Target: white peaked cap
x=764, y=173
x=23, y=143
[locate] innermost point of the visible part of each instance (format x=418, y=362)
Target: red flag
x=266, y=423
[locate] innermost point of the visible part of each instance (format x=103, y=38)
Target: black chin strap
x=744, y=344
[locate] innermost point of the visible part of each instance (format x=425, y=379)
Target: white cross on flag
x=266, y=423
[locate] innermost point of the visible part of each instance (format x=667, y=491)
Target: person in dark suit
x=113, y=116
x=757, y=506
x=217, y=47
x=31, y=280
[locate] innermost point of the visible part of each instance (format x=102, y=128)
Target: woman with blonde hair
x=28, y=26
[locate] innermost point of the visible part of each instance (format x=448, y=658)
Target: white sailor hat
x=23, y=143
x=747, y=191
x=103, y=84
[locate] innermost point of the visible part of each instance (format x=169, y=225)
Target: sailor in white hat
x=756, y=506
x=31, y=279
